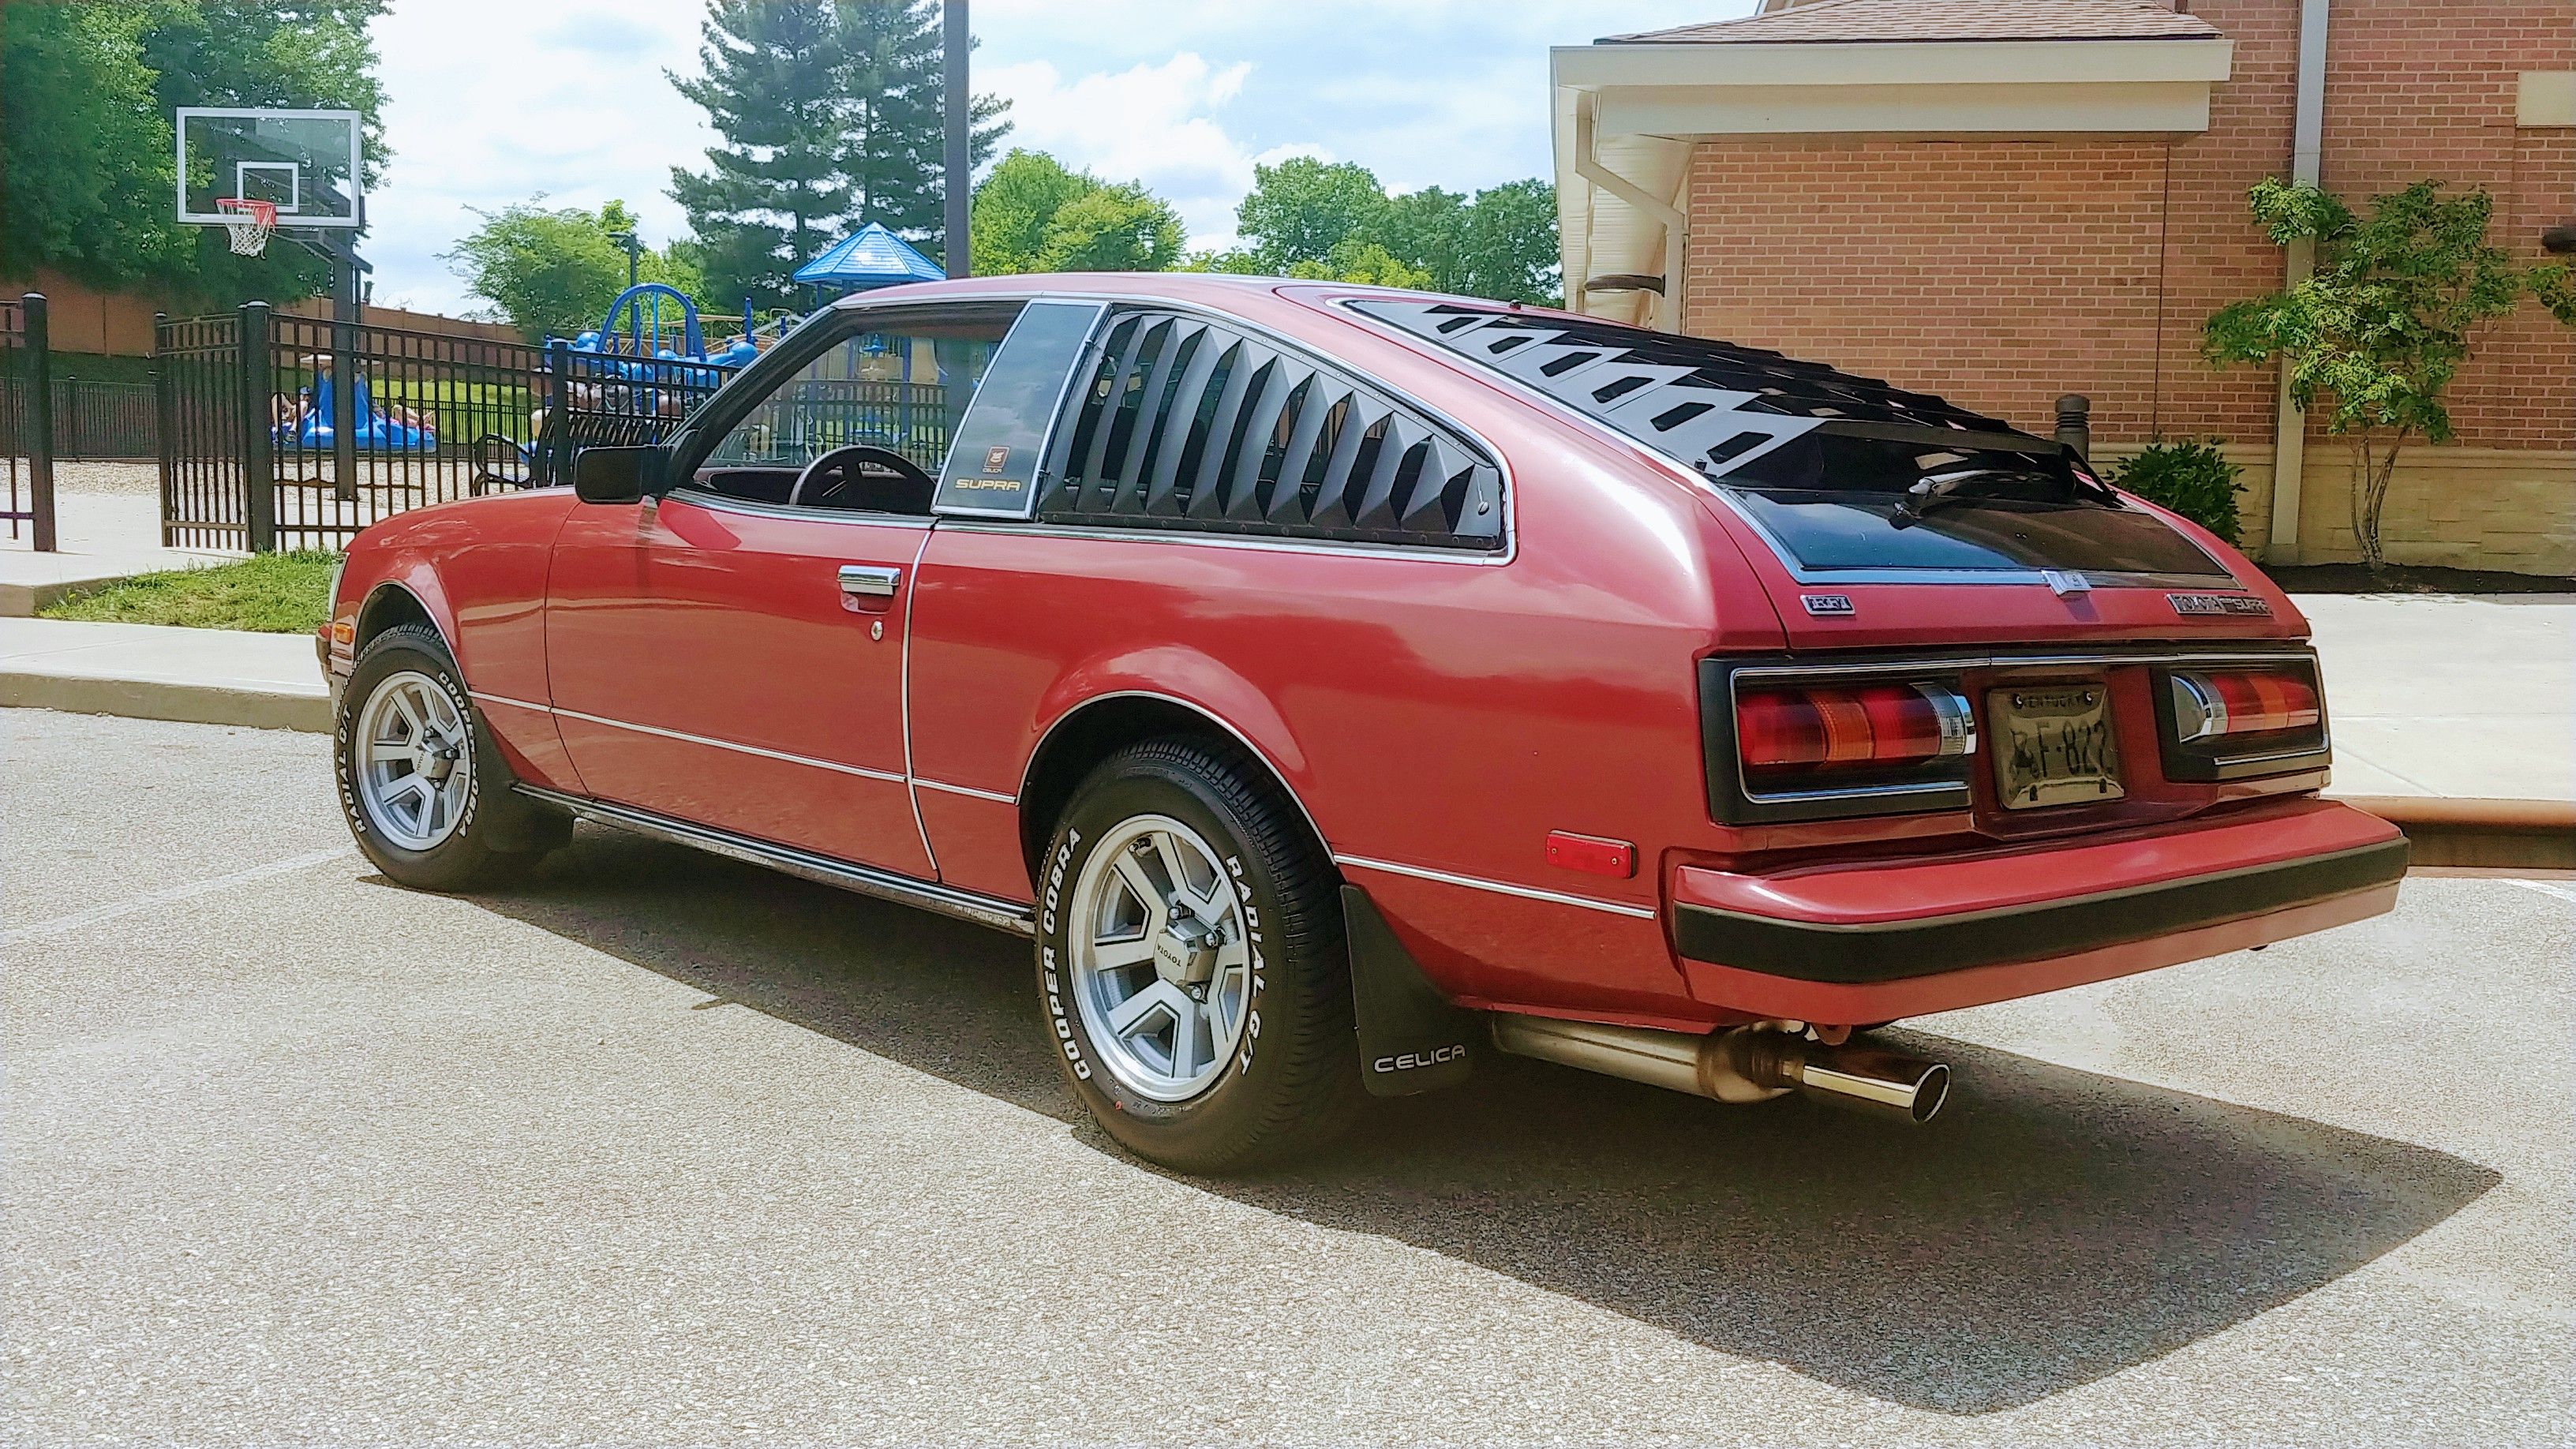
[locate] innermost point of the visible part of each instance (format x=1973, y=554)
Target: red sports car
x=1338, y=683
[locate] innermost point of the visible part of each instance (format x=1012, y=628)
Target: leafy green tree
x=86, y=150
x=2377, y=331
x=1032, y=214
x=1302, y=208
x=1306, y=217
x=831, y=116
x=1509, y=251
x=1112, y=228
x=553, y=271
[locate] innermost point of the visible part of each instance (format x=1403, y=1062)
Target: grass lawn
x=273, y=593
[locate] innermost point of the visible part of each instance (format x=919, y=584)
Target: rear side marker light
x=2214, y=705
x=1829, y=728
x=1591, y=854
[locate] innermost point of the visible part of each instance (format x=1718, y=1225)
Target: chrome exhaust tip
x=1746, y=1064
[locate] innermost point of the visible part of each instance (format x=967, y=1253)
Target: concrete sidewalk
x=147, y=671
x=2432, y=696
x=107, y=523
x=2448, y=695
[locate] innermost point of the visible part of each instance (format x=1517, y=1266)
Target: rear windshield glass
x=1843, y=472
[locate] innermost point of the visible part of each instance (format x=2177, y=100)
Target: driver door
x=732, y=654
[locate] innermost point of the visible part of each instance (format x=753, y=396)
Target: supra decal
x=1410, y=1061
x=1827, y=605
x=2217, y=604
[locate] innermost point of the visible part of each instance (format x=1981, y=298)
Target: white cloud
x=576, y=108
x=489, y=101
x=1158, y=124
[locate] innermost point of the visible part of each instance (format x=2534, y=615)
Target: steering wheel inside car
x=847, y=476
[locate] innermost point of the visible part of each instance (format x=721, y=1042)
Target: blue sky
x=491, y=101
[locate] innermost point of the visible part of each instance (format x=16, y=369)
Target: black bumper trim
x=1860, y=955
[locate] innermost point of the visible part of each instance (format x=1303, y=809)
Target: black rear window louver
x=1712, y=405
x=1184, y=423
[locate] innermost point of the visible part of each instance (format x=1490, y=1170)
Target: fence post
x=259, y=458
x=345, y=418
x=558, y=455
x=39, y=419
x=164, y=445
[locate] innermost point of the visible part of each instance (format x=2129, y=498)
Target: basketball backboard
x=305, y=163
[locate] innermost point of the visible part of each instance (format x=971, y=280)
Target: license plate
x=2053, y=745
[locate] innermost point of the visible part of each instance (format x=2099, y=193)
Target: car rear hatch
x=1875, y=516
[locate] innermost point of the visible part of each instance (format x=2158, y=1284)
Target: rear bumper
x=1877, y=940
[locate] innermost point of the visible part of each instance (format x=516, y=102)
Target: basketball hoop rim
x=249, y=222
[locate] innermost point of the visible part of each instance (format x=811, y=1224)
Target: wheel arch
x=1083, y=736
x=404, y=600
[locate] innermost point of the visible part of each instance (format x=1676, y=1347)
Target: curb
x=2481, y=837
x=308, y=711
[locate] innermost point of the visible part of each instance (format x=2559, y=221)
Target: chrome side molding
x=885, y=885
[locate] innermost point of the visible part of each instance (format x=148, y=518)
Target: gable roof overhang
x=1642, y=105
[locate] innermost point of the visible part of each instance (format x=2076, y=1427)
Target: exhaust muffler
x=1746, y=1064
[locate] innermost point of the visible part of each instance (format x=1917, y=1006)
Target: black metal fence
x=296, y=432
x=26, y=425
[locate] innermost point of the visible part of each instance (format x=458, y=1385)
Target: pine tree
x=831, y=114
x=774, y=192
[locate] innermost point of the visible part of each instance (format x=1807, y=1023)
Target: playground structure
x=310, y=427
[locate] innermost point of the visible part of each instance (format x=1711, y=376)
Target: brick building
x=2003, y=200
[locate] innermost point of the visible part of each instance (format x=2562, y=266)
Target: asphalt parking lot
x=658, y=1148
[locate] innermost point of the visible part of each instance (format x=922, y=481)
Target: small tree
x=554, y=271
x=2380, y=327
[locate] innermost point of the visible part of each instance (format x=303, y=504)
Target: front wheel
x=1191, y=963
x=422, y=785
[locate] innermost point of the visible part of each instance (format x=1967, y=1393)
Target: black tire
x=1293, y=1080
x=498, y=832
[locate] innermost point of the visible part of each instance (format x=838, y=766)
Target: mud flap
x=1411, y=1038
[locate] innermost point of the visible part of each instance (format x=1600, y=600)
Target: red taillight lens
x=1831, y=728
x=2228, y=704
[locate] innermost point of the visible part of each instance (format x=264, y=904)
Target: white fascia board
x=1894, y=62
x=2146, y=107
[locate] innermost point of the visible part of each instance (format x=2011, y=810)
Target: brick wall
x=1998, y=273
x=2002, y=271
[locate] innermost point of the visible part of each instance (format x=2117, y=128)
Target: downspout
x=1588, y=165
x=2289, y=421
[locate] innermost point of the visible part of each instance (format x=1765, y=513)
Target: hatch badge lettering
x=2188, y=604
x=1827, y=605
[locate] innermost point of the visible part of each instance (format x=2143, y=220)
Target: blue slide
x=376, y=432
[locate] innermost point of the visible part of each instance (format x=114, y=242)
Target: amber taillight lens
x=1827, y=734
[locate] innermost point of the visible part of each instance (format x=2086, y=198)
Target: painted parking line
x=2547, y=888
x=96, y=915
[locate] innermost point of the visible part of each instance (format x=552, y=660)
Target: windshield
x=1843, y=472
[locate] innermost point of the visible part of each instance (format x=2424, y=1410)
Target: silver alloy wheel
x=415, y=765
x=1162, y=970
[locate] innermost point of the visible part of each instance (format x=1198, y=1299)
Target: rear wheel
x=1190, y=960
x=422, y=785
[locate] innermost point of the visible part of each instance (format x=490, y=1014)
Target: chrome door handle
x=869, y=581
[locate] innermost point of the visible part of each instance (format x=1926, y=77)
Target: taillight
x=1827, y=733
x=2228, y=723
x=2241, y=702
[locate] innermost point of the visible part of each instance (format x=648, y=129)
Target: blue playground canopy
x=871, y=257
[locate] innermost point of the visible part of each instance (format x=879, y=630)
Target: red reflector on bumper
x=1591, y=854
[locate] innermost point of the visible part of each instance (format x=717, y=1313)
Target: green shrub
x=2191, y=477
